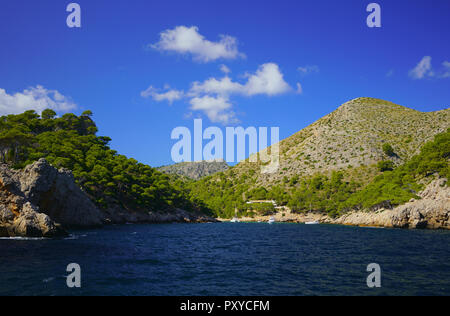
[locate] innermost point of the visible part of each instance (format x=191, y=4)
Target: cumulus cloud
x=308, y=69
x=188, y=40
x=299, y=88
x=169, y=96
x=223, y=86
x=216, y=108
x=212, y=96
x=35, y=98
x=422, y=69
x=267, y=80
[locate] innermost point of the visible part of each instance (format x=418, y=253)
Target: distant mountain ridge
x=195, y=170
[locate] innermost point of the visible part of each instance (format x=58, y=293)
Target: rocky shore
x=432, y=211
x=41, y=201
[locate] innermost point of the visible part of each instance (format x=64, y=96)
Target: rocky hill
x=352, y=137
x=195, y=170
x=367, y=154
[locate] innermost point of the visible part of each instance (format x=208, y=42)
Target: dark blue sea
x=229, y=259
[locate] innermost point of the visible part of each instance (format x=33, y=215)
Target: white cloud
x=390, y=73
x=308, y=69
x=35, y=98
x=223, y=86
x=216, y=108
x=187, y=40
x=212, y=96
x=266, y=80
x=225, y=69
x=169, y=96
x=422, y=69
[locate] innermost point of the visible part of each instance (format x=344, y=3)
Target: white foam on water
x=48, y=280
x=72, y=237
x=23, y=238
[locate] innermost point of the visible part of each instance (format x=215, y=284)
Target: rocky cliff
x=40, y=201
x=431, y=211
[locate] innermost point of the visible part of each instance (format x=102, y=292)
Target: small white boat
x=271, y=220
x=235, y=218
x=312, y=223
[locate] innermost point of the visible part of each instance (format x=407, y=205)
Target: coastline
x=432, y=211
x=380, y=219
x=42, y=201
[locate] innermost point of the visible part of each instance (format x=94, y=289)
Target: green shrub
x=388, y=150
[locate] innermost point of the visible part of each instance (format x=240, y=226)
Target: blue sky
x=118, y=65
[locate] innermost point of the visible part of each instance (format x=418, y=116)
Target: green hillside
x=354, y=157
x=365, y=154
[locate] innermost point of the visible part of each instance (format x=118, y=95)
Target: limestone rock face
x=431, y=211
x=31, y=223
x=57, y=195
x=381, y=218
x=36, y=201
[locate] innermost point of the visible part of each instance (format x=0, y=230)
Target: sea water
x=229, y=259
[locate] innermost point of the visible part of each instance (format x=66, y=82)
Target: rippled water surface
x=229, y=259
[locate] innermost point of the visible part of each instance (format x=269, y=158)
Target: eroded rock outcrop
x=38, y=200
x=431, y=211
x=57, y=195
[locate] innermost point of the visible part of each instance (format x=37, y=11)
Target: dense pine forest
x=109, y=178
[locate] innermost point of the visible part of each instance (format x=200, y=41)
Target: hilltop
x=353, y=137
x=195, y=170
